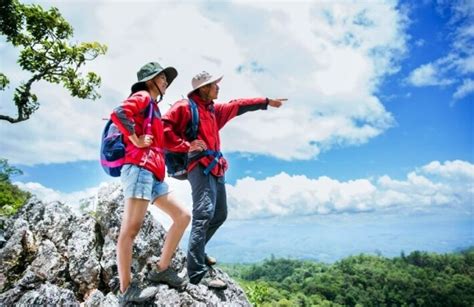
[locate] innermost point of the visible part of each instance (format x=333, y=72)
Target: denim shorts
x=138, y=182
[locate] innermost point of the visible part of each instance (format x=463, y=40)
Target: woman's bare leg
x=181, y=218
x=133, y=215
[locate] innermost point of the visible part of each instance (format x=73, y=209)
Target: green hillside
x=419, y=279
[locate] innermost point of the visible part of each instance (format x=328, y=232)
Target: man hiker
x=206, y=165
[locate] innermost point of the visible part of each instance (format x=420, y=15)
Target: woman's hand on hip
x=143, y=141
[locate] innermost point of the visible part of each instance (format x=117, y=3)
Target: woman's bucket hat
x=151, y=70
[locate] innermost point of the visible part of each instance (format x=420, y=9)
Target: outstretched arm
x=226, y=111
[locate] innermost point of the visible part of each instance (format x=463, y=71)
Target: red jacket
x=130, y=118
x=212, y=117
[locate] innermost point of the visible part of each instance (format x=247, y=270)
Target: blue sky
x=378, y=126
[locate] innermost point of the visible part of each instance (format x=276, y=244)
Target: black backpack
x=177, y=162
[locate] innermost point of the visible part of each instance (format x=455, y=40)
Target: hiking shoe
x=210, y=261
x=211, y=280
x=169, y=277
x=136, y=294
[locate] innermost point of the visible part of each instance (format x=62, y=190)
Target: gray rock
x=10, y=297
x=84, y=255
x=108, y=261
x=110, y=300
x=54, y=256
x=16, y=250
x=57, y=223
x=48, y=295
x=49, y=264
x=95, y=299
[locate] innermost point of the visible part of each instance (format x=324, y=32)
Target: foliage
x=45, y=51
x=419, y=279
x=11, y=197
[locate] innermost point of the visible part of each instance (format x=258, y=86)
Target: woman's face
x=161, y=82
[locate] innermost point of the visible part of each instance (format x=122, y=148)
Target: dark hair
x=141, y=86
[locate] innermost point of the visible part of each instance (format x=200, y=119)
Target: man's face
x=212, y=91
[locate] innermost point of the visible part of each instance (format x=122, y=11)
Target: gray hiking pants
x=209, y=213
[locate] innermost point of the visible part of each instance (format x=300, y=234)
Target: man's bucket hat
x=151, y=70
x=203, y=78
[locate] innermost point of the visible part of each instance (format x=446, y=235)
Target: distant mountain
x=330, y=238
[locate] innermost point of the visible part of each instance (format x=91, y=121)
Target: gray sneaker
x=210, y=261
x=169, y=277
x=135, y=294
x=211, y=280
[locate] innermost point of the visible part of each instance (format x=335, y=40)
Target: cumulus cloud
x=47, y=194
x=435, y=185
x=461, y=170
x=328, y=58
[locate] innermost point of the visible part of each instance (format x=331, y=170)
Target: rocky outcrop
x=50, y=255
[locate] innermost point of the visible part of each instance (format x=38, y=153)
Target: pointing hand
x=277, y=102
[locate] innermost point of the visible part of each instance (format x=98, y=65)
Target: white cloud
x=47, y=194
x=466, y=88
x=427, y=74
x=434, y=185
x=448, y=185
x=62, y=130
x=66, y=129
x=451, y=169
x=328, y=58
x=466, y=65
x=458, y=62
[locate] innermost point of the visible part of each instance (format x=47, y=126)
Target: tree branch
x=22, y=103
x=11, y=119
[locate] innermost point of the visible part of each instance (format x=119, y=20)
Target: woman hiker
x=206, y=165
x=142, y=178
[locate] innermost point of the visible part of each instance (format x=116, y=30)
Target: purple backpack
x=112, y=148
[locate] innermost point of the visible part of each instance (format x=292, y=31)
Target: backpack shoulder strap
x=149, y=118
x=194, y=117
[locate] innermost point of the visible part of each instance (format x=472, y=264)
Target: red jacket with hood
x=212, y=117
x=131, y=117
